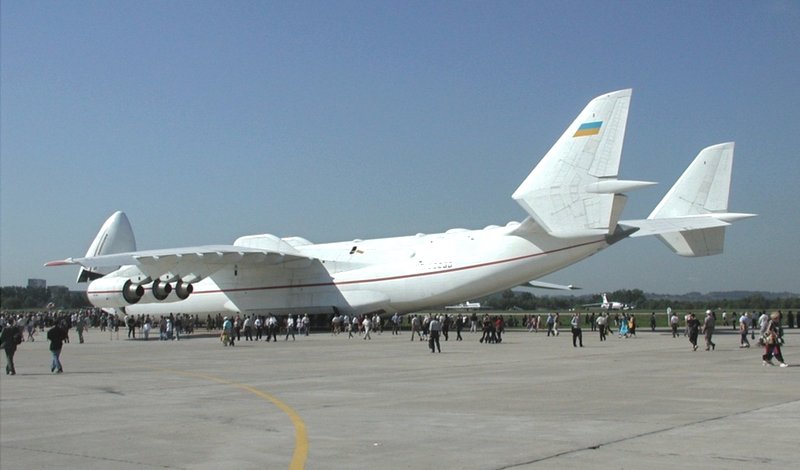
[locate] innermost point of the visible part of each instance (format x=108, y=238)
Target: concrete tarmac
x=329, y=402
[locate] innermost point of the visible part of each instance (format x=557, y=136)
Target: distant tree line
x=512, y=300
x=37, y=298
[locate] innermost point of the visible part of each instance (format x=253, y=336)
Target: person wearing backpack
x=9, y=339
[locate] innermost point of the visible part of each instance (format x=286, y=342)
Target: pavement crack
x=85, y=456
x=644, y=434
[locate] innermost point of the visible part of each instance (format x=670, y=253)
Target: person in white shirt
x=272, y=327
x=744, y=327
x=248, y=328
x=434, y=327
x=367, y=324
x=289, y=328
x=601, y=321
x=259, y=328
x=577, y=334
x=673, y=323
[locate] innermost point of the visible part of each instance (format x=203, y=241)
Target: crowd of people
x=256, y=327
x=26, y=327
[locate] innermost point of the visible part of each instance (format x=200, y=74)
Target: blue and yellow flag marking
x=588, y=128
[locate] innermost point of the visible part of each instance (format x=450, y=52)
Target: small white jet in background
x=464, y=306
x=573, y=199
x=608, y=305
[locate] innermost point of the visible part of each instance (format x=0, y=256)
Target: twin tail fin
x=574, y=190
x=692, y=217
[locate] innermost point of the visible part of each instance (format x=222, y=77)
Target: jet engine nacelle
x=114, y=292
x=160, y=289
x=183, y=289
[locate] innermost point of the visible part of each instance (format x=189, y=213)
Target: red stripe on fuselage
x=404, y=276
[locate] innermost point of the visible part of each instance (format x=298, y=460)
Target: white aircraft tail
x=574, y=190
x=115, y=236
x=692, y=217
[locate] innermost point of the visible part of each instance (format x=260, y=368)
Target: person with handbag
x=771, y=346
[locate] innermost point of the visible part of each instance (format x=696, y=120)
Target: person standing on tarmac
x=601, y=321
x=673, y=323
x=434, y=327
x=415, y=327
x=56, y=335
x=772, y=346
x=708, y=329
x=227, y=332
x=692, y=328
x=744, y=327
x=367, y=325
x=290, y=327
x=9, y=339
x=577, y=334
x=550, y=322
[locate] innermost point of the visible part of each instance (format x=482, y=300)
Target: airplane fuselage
x=400, y=274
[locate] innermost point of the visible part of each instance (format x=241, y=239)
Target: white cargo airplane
x=574, y=202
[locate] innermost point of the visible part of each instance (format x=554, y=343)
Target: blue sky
x=204, y=121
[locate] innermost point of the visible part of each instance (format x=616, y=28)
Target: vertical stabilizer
x=115, y=236
x=702, y=189
x=571, y=192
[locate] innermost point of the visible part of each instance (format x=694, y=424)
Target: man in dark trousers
x=577, y=334
x=9, y=339
x=434, y=327
x=693, y=328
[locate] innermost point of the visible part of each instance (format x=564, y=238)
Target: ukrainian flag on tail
x=588, y=128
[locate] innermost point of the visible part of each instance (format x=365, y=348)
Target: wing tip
x=60, y=262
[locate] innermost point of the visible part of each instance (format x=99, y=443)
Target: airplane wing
x=547, y=285
x=190, y=263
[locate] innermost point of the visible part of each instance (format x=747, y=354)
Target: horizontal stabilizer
x=672, y=224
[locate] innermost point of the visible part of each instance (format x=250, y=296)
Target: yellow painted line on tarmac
x=300, y=436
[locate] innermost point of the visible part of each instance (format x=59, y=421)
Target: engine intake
x=160, y=289
x=114, y=292
x=183, y=289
